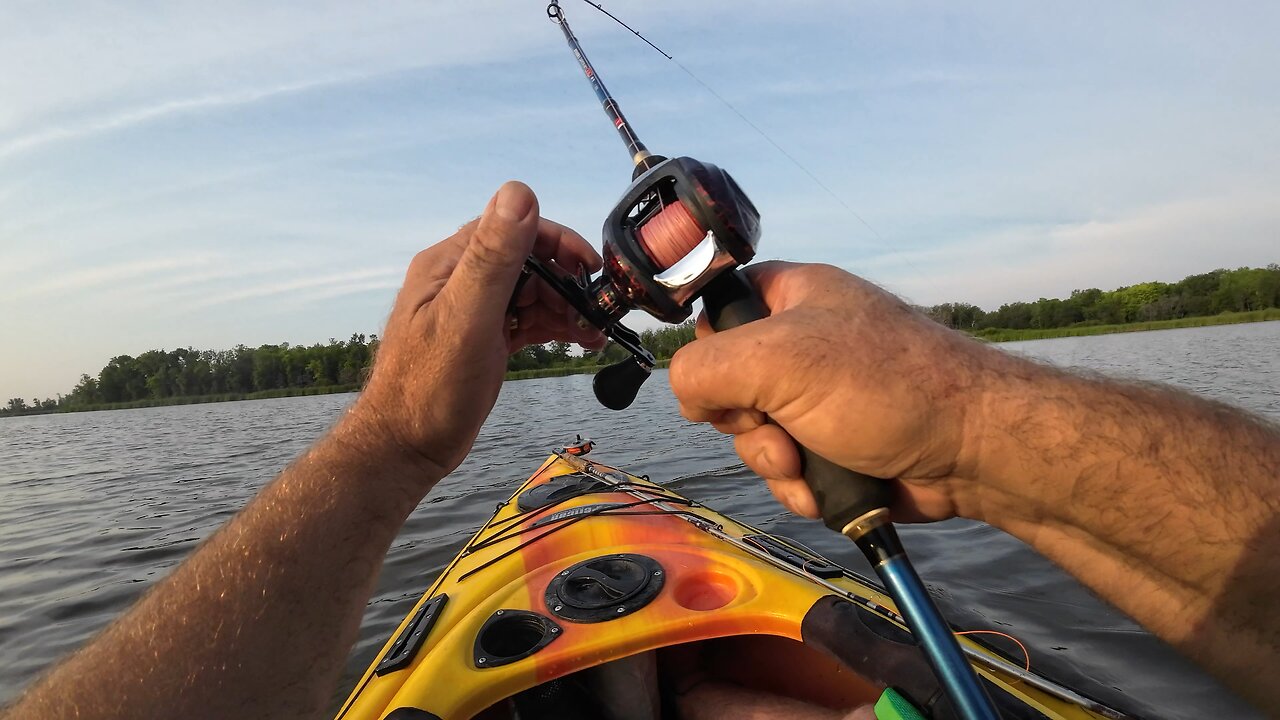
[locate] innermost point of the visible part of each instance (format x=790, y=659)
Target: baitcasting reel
x=680, y=225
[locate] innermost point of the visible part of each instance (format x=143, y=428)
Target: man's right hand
x=1163, y=503
x=855, y=375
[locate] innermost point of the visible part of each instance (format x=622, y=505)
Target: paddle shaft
x=856, y=505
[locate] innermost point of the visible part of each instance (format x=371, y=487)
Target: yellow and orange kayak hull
x=586, y=565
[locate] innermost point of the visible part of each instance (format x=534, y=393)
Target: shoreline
x=196, y=400
x=992, y=336
x=566, y=371
x=1000, y=335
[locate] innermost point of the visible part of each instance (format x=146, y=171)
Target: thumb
x=486, y=273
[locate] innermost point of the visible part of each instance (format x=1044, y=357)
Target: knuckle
x=437, y=259
x=825, y=273
x=490, y=249
x=679, y=371
x=422, y=259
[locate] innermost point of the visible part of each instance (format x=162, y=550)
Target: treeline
x=168, y=377
x=162, y=377
x=1211, y=293
x=662, y=342
x=157, y=376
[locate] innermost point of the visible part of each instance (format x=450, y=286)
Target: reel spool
x=679, y=225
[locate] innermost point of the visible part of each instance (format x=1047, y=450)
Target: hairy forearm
x=1166, y=504
x=259, y=620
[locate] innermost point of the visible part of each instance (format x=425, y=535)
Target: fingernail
x=513, y=202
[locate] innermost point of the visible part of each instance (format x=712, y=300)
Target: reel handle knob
x=843, y=496
x=617, y=385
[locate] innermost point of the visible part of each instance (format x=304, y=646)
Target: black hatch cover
x=604, y=588
x=558, y=489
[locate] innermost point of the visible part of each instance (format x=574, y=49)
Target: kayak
x=595, y=593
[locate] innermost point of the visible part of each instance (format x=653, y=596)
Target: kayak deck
x=588, y=568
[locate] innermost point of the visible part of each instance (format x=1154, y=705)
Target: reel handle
x=843, y=495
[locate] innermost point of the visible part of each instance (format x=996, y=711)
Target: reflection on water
x=98, y=505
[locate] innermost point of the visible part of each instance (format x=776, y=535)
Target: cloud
x=1163, y=242
x=335, y=290
x=160, y=110
x=384, y=277
x=80, y=69
x=117, y=273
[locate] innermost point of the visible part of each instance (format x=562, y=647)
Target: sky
x=209, y=174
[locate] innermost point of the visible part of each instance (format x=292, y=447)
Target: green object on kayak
x=892, y=706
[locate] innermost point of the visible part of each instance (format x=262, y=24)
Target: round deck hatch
x=511, y=635
x=604, y=588
x=558, y=489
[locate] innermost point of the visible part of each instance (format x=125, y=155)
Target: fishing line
x=670, y=235
x=1026, y=656
x=633, y=30
x=794, y=161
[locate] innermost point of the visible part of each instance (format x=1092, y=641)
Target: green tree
x=1202, y=294
x=240, y=372
x=268, y=368
x=1246, y=289
x=960, y=315
x=558, y=352
x=85, y=392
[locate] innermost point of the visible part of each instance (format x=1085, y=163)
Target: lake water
x=96, y=506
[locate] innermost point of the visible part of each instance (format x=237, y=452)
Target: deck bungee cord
x=680, y=232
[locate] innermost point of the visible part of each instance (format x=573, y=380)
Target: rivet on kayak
x=499, y=612
x=555, y=630
x=558, y=608
x=622, y=609
x=657, y=573
x=480, y=661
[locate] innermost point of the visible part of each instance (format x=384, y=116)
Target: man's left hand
x=444, y=352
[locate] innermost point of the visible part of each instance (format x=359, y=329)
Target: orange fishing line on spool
x=670, y=235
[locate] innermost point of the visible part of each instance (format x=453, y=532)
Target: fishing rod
x=680, y=232
x=640, y=155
